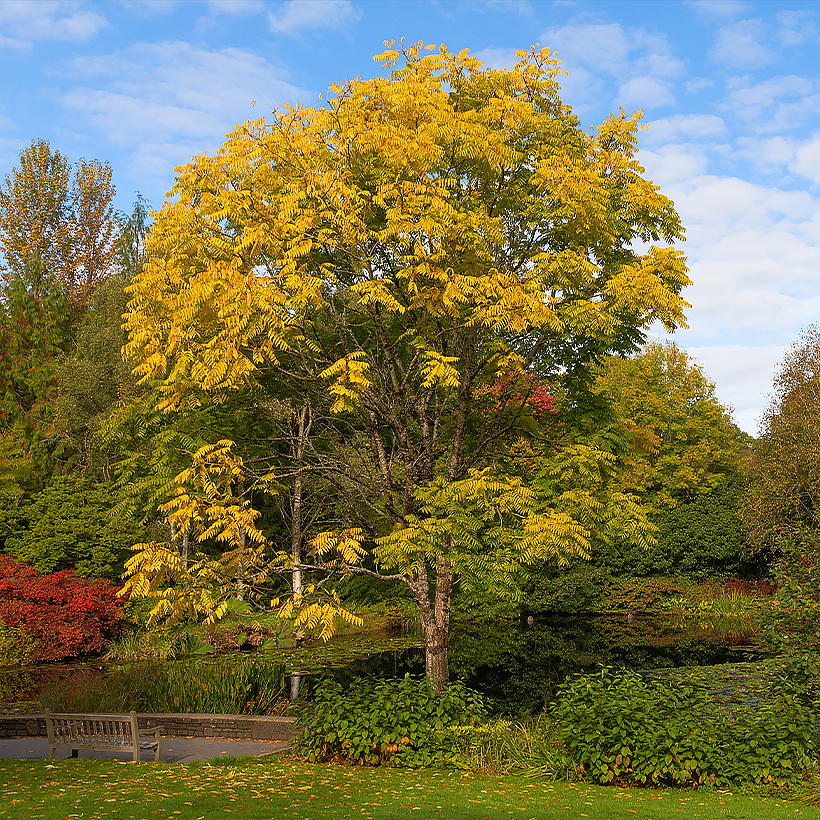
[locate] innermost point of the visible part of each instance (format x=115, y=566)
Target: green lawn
x=94, y=790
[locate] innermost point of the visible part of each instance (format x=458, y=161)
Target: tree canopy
x=393, y=255
x=684, y=441
x=57, y=224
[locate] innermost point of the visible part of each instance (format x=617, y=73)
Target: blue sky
x=730, y=90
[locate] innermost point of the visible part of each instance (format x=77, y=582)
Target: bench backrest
x=90, y=729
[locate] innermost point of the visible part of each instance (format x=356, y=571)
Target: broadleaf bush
x=67, y=616
x=623, y=729
x=404, y=722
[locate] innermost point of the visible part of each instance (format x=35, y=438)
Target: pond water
x=515, y=664
x=518, y=666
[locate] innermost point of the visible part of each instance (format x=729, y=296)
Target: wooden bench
x=101, y=733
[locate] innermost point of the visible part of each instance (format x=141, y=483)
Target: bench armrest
x=154, y=730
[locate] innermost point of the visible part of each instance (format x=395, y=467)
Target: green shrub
x=401, y=722
x=699, y=538
x=624, y=729
x=579, y=588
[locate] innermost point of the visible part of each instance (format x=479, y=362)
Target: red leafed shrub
x=67, y=616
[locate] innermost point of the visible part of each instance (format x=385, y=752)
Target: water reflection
x=521, y=667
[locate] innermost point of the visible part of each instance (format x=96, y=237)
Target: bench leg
x=75, y=752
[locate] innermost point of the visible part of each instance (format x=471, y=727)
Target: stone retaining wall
x=247, y=727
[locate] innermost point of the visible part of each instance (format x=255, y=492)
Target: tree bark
x=435, y=618
x=243, y=536
x=298, y=452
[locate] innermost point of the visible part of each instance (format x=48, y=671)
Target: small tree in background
x=684, y=442
x=781, y=506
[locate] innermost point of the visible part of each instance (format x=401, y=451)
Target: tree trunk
x=298, y=446
x=183, y=550
x=240, y=568
x=296, y=535
x=435, y=618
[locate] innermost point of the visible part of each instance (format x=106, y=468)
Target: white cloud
x=754, y=259
x=806, y=162
x=697, y=84
x=10, y=151
x=673, y=163
x=180, y=89
x=743, y=376
x=754, y=255
x=522, y=7
x=768, y=155
x=235, y=7
x=738, y=45
x=155, y=161
x=639, y=61
x=152, y=8
x=182, y=96
x=796, y=27
x=24, y=22
x=644, y=92
x=295, y=16
x=661, y=65
x=780, y=103
x=497, y=58
x=604, y=46
x=684, y=127
x=718, y=9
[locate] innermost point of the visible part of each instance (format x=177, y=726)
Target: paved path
x=174, y=749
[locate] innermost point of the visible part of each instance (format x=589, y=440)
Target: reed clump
x=226, y=685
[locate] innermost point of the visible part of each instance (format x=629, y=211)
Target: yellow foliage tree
x=412, y=242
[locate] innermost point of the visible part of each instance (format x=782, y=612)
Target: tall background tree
x=58, y=224
x=66, y=258
x=781, y=506
x=784, y=491
x=402, y=249
x=58, y=243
